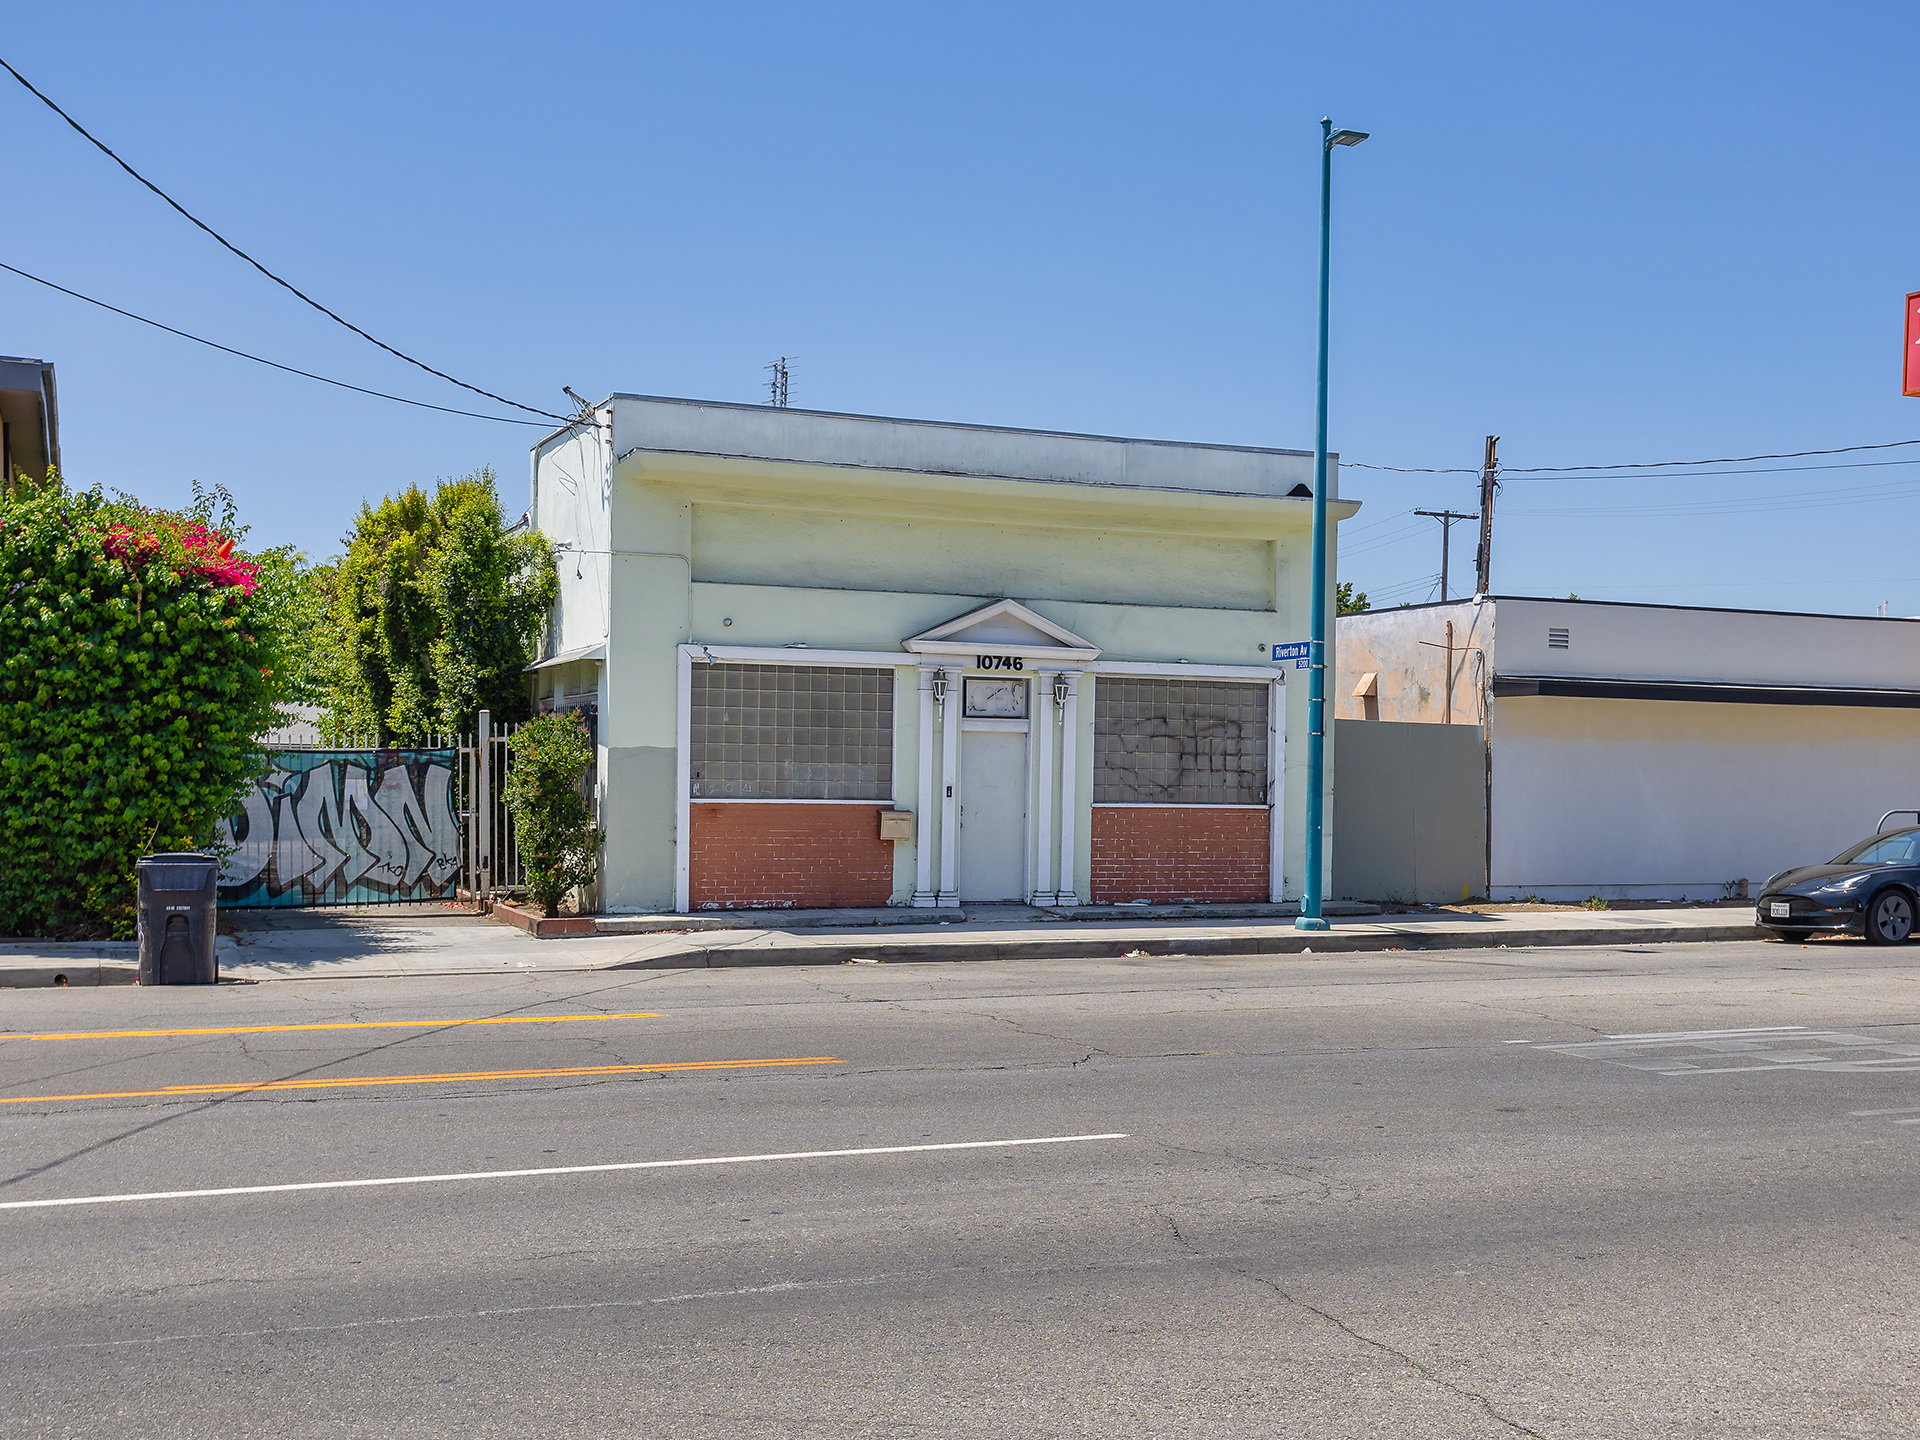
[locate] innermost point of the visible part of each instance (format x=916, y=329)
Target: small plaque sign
x=1296, y=651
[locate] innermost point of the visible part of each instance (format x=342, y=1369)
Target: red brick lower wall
x=1167, y=853
x=788, y=854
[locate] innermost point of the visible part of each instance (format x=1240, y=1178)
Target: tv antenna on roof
x=777, y=386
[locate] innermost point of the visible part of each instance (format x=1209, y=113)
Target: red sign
x=1910, y=369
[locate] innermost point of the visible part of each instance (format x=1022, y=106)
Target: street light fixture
x=1310, y=917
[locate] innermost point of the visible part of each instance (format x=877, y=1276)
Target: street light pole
x=1310, y=917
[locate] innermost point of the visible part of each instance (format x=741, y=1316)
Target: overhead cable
x=1722, y=460
x=261, y=360
x=285, y=285
x=1360, y=465
x=1581, y=471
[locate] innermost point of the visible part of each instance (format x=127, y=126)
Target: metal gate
x=367, y=825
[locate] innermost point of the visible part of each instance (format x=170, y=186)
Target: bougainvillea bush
x=141, y=656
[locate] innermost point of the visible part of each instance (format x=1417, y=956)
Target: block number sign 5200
x=999, y=662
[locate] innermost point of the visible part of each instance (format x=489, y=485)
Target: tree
x=552, y=824
x=142, y=655
x=1350, y=603
x=437, y=611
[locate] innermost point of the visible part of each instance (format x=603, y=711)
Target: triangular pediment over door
x=1005, y=627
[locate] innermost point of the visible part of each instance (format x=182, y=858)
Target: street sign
x=1296, y=651
x=1910, y=371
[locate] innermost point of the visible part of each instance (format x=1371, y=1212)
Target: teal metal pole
x=1310, y=917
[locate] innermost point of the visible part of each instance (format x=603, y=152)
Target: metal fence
x=363, y=824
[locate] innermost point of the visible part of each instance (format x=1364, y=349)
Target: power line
x=1709, y=474
x=1406, y=587
x=1446, y=519
x=1721, y=460
x=1576, y=471
x=1382, y=542
x=261, y=360
x=292, y=290
x=1358, y=465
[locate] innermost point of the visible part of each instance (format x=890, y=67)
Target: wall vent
x=1556, y=637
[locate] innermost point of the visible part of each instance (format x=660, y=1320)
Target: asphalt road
x=1358, y=1195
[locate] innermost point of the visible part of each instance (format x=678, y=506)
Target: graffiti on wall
x=346, y=827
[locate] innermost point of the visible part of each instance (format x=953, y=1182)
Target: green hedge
x=139, y=662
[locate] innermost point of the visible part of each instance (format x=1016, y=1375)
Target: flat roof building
x=29, y=418
x=1624, y=751
x=848, y=660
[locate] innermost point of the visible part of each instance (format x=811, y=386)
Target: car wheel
x=1890, y=918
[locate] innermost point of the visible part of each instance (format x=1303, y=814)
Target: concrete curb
x=1071, y=948
x=49, y=973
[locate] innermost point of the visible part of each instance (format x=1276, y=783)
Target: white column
x=1041, y=723
x=683, y=786
x=923, y=893
x=1276, y=791
x=1069, y=877
x=483, y=811
x=948, y=892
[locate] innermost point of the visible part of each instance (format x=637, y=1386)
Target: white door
x=992, y=850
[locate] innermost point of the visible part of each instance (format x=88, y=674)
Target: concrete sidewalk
x=325, y=945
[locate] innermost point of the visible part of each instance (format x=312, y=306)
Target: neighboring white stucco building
x=1650, y=751
x=1036, y=663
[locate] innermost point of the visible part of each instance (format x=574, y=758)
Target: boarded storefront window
x=792, y=732
x=1179, y=742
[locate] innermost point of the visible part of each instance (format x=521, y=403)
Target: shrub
x=552, y=824
x=141, y=656
x=437, y=612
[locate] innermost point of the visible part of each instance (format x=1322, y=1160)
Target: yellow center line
x=453, y=1077
x=334, y=1025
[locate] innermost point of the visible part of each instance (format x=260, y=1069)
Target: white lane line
x=1710, y=1034
x=1897, y=1110
x=549, y=1170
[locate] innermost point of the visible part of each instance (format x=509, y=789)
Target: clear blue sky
x=1609, y=234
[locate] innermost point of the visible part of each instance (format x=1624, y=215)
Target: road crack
x=1419, y=1367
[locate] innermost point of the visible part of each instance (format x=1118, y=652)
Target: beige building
x=853, y=660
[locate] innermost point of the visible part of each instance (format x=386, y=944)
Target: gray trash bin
x=177, y=899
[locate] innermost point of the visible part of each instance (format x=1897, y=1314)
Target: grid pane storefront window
x=1179, y=742
x=792, y=732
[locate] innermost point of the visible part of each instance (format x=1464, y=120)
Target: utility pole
x=1446, y=519
x=1489, y=483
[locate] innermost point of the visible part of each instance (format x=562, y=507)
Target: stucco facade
x=994, y=577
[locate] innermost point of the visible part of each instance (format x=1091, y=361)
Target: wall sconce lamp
x=1062, y=687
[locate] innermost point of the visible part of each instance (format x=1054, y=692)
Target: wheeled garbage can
x=177, y=898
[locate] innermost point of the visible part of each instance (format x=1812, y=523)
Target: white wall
x=1732, y=646
x=940, y=448
x=573, y=506
x=1659, y=798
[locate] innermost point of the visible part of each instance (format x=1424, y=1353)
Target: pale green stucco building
x=1041, y=659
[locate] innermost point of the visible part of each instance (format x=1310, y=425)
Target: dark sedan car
x=1872, y=889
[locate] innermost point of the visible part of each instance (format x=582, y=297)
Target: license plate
x=1779, y=910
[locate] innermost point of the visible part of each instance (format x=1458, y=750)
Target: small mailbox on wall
x=896, y=825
